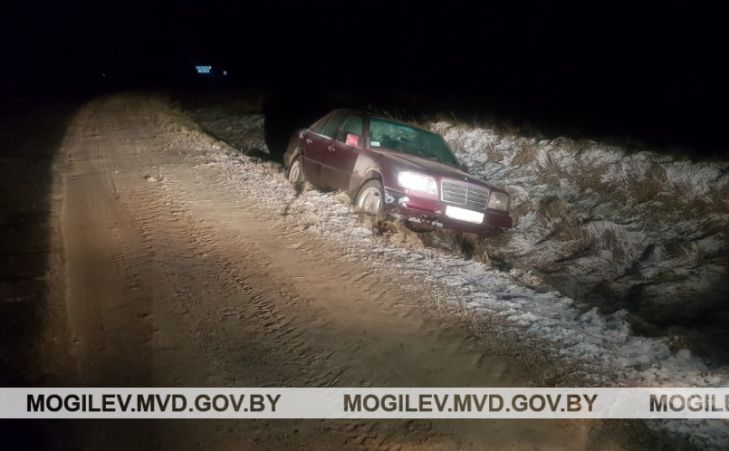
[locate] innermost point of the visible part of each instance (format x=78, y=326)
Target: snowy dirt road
x=165, y=275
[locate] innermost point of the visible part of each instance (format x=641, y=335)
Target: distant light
x=225, y=73
x=205, y=70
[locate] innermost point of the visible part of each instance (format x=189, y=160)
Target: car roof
x=372, y=114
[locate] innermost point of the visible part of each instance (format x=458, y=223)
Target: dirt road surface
x=163, y=276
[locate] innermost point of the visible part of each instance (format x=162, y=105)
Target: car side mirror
x=352, y=140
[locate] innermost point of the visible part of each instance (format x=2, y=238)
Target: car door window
x=319, y=125
x=332, y=126
x=353, y=125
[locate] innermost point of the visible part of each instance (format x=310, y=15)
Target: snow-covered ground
x=586, y=213
x=639, y=231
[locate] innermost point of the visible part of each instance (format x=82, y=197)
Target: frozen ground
x=589, y=219
x=638, y=231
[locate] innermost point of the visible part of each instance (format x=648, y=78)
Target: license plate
x=464, y=215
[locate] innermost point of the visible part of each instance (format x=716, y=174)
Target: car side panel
x=369, y=166
x=314, y=153
x=341, y=164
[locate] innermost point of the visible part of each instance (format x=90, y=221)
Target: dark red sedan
x=392, y=168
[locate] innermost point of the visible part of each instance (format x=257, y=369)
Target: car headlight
x=499, y=201
x=417, y=182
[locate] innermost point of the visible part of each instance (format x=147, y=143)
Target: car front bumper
x=431, y=213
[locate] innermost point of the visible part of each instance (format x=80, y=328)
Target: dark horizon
x=653, y=73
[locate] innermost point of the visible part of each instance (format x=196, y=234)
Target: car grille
x=464, y=194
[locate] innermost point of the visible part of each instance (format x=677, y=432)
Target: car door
x=317, y=142
x=342, y=156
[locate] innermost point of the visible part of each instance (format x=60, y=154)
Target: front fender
x=293, y=149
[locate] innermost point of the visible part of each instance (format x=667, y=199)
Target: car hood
x=404, y=161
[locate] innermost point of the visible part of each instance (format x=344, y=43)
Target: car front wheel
x=371, y=198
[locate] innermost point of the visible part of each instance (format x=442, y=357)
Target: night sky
x=659, y=67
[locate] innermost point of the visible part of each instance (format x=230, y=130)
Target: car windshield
x=397, y=136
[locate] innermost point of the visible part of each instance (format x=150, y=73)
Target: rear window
x=332, y=126
x=319, y=125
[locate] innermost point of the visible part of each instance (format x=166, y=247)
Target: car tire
x=371, y=198
x=295, y=172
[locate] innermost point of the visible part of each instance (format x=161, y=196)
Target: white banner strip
x=443, y=403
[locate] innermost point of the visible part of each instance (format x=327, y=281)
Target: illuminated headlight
x=417, y=182
x=499, y=201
